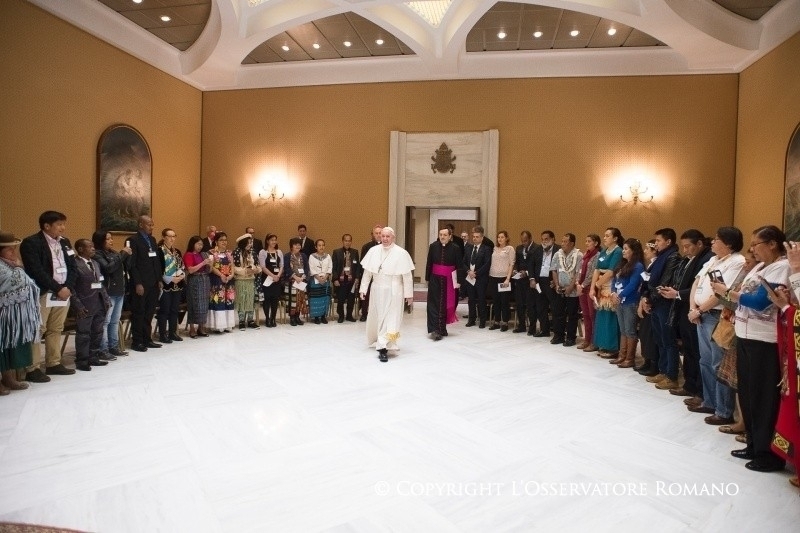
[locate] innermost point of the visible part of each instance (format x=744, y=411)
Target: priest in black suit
x=146, y=271
x=444, y=259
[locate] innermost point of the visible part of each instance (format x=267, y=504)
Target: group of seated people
x=730, y=315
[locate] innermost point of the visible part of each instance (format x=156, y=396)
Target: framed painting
x=791, y=196
x=124, y=179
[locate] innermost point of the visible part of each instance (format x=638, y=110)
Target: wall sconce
x=269, y=191
x=636, y=194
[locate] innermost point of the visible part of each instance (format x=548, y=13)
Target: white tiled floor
x=303, y=429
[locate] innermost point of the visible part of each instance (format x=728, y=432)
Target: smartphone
x=715, y=276
x=769, y=288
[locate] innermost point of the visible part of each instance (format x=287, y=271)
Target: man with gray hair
x=388, y=267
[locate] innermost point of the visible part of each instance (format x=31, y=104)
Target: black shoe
x=95, y=361
x=770, y=466
x=744, y=453
x=519, y=330
x=531, y=333
x=436, y=336
x=58, y=370
x=383, y=355
x=340, y=319
x=504, y=328
x=292, y=321
x=494, y=327
x=164, y=339
x=242, y=325
x=643, y=367
x=363, y=318
x=469, y=324
x=83, y=366
x=36, y=376
x=152, y=344
x=650, y=372
x=139, y=348
x=316, y=320
x=569, y=343
x=324, y=320
x=273, y=324
x=106, y=357
x=350, y=319
x=299, y=322
x=542, y=334
x=175, y=337
x=252, y=325
x=482, y=324
x=117, y=352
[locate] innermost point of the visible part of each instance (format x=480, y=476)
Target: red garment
x=787, y=429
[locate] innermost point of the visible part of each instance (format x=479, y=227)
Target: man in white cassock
x=388, y=267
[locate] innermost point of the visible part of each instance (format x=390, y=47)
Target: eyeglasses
x=754, y=244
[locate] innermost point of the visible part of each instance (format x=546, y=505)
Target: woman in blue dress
x=606, y=327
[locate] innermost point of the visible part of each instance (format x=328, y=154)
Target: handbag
x=726, y=373
x=724, y=333
x=604, y=300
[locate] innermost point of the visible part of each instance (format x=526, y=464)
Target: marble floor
x=303, y=429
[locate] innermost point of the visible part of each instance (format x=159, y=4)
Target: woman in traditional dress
x=500, y=270
x=295, y=269
x=786, y=440
x=245, y=270
x=606, y=326
x=588, y=264
x=320, y=265
x=198, y=265
x=627, y=279
x=757, y=364
x=112, y=266
x=221, y=314
x=169, y=305
x=19, y=315
x=270, y=259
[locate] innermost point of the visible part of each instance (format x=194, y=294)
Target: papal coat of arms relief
x=443, y=160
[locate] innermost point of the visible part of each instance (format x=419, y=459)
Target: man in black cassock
x=444, y=258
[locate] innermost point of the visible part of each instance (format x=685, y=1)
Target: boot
x=623, y=351
x=292, y=320
x=10, y=381
x=630, y=353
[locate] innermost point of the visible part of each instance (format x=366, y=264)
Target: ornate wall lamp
x=269, y=191
x=637, y=194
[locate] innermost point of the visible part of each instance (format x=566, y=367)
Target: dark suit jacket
x=207, y=244
x=38, y=261
x=535, y=259
x=483, y=260
x=257, y=246
x=84, y=296
x=145, y=270
x=364, y=250
x=523, y=253
x=308, y=247
x=338, y=263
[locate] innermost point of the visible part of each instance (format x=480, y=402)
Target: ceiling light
x=432, y=11
x=285, y=48
x=165, y=18
x=379, y=41
x=137, y=1
x=612, y=31
x=574, y=33
x=316, y=46
x=501, y=35
x=537, y=34
x=347, y=44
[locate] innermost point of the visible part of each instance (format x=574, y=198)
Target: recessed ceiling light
x=316, y=46
x=165, y=18
x=347, y=44
x=574, y=33
x=285, y=48
x=501, y=35
x=137, y=1
x=612, y=31
x=537, y=34
x=379, y=41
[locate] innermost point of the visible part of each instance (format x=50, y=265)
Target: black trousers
x=476, y=299
x=344, y=295
x=647, y=341
x=272, y=296
x=566, y=310
x=691, y=354
x=143, y=308
x=89, y=335
x=501, y=301
x=525, y=299
x=169, y=307
x=544, y=303
x=758, y=373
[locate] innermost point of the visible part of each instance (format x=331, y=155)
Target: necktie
x=474, y=250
